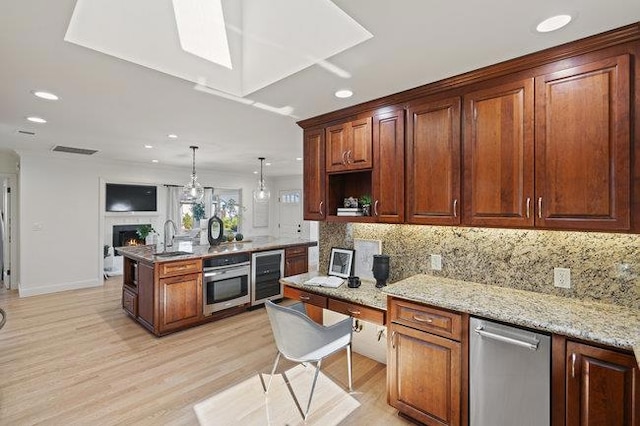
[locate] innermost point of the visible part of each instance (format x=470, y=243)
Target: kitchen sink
x=171, y=253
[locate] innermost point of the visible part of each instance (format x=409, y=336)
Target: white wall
x=61, y=222
x=8, y=161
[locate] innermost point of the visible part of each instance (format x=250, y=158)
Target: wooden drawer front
x=295, y=251
x=130, y=302
x=432, y=320
x=357, y=311
x=303, y=296
x=180, y=267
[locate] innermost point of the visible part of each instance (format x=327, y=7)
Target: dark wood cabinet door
x=180, y=301
x=424, y=376
x=145, y=293
x=349, y=146
x=583, y=146
x=314, y=177
x=388, y=173
x=498, y=156
x=296, y=260
x=602, y=387
x=433, y=163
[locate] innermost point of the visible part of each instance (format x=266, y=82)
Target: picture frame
x=365, y=250
x=341, y=262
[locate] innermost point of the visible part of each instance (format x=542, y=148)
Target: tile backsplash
x=604, y=266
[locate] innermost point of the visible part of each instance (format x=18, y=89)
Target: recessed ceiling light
x=148, y=146
x=267, y=164
x=344, y=93
x=45, y=95
x=172, y=136
x=553, y=23
x=255, y=172
x=298, y=158
x=154, y=161
x=37, y=120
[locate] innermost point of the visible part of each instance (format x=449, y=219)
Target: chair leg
x=273, y=371
x=313, y=387
x=349, y=366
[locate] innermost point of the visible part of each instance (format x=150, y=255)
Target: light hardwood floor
x=75, y=358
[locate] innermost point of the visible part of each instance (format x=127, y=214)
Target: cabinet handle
x=393, y=340
x=349, y=157
x=344, y=158
x=573, y=365
x=353, y=312
x=528, y=206
x=375, y=208
x=540, y=207
x=455, y=208
x=422, y=319
x=304, y=297
x=320, y=208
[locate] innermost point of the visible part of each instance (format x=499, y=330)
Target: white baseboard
x=55, y=288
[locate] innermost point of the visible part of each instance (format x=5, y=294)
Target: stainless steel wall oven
x=226, y=282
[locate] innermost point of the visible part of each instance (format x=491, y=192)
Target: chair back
x=296, y=334
x=4, y=317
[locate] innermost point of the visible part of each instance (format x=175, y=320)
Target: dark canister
x=353, y=282
x=380, y=269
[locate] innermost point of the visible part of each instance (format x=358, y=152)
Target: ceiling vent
x=26, y=132
x=71, y=150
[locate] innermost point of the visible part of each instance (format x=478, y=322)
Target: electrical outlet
x=436, y=262
x=562, y=277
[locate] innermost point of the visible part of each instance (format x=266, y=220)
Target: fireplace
x=126, y=235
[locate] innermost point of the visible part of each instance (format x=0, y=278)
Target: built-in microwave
x=226, y=282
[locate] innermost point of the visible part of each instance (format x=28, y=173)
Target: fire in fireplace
x=126, y=235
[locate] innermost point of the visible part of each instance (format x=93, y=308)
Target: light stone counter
x=607, y=324
x=610, y=325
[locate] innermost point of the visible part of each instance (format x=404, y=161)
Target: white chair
x=302, y=340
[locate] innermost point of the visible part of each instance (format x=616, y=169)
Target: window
x=227, y=205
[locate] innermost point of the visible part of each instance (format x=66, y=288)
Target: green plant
x=187, y=221
x=144, y=230
x=365, y=200
x=198, y=211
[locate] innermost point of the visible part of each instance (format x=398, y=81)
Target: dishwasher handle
x=499, y=337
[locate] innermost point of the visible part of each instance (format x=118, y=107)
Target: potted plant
x=365, y=203
x=198, y=213
x=144, y=232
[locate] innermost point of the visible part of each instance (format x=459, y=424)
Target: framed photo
x=341, y=262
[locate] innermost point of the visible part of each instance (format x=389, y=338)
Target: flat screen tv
x=131, y=198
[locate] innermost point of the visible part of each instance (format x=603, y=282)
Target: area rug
x=247, y=404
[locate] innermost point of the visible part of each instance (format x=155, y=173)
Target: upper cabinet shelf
x=544, y=141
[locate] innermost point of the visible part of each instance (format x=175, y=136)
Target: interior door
x=290, y=209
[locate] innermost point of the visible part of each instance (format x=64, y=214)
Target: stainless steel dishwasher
x=510, y=375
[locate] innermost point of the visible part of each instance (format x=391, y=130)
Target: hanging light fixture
x=193, y=192
x=261, y=194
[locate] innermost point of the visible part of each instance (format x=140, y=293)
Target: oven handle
x=228, y=272
x=233, y=266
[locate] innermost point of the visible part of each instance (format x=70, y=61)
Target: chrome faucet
x=168, y=242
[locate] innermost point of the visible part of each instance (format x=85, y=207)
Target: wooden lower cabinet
x=296, y=260
x=180, y=300
x=424, y=376
x=601, y=387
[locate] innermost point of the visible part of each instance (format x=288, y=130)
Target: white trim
x=14, y=259
x=33, y=291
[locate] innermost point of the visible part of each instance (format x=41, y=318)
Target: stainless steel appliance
x=226, y=282
x=267, y=269
x=510, y=376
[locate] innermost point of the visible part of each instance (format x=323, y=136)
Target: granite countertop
x=367, y=294
x=146, y=253
x=607, y=324
x=603, y=323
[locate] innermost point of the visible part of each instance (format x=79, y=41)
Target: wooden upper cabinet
x=602, y=387
x=388, y=173
x=314, y=175
x=498, y=155
x=433, y=162
x=349, y=146
x=583, y=146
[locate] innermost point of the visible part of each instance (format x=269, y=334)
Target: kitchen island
x=427, y=319
x=164, y=291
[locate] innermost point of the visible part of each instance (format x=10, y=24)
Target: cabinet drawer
x=303, y=296
x=295, y=251
x=357, y=311
x=180, y=267
x=130, y=301
x=432, y=320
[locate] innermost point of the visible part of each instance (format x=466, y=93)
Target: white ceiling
x=117, y=107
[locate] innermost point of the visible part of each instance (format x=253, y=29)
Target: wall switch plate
x=562, y=277
x=436, y=262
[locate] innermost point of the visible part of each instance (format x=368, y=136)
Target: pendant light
x=261, y=194
x=192, y=192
